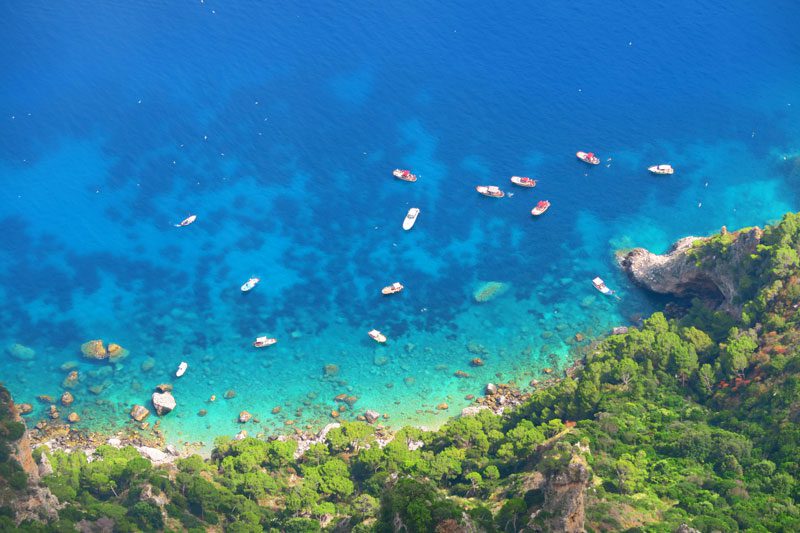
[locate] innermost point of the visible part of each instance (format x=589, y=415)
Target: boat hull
x=523, y=182
x=586, y=158
x=404, y=175
x=484, y=190
x=377, y=336
x=391, y=289
x=661, y=170
x=539, y=210
x=411, y=218
x=250, y=284
x=263, y=343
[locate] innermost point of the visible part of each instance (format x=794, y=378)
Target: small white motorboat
x=377, y=336
x=492, y=191
x=600, y=285
x=411, y=218
x=182, y=369
x=260, y=342
x=523, y=181
x=661, y=169
x=404, y=175
x=249, y=284
x=392, y=289
x=540, y=208
x=186, y=221
x=588, y=158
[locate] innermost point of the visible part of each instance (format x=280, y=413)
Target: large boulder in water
x=94, y=349
x=163, y=402
x=20, y=352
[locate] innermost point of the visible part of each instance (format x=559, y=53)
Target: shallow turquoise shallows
x=279, y=125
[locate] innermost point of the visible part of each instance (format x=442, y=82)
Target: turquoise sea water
x=278, y=126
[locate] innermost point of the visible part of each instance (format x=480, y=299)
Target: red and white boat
x=392, y=289
x=186, y=221
x=600, y=285
x=260, y=342
x=490, y=190
x=540, y=208
x=377, y=336
x=250, y=284
x=522, y=181
x=404, y=175
x=588, y=158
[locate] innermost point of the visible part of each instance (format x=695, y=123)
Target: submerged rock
x=163, y=402
x=24, y=408
x=20, y=352
x=148, y=364
x=164, y=387
x=116, y=352
x=139, y=412
x=71, y=380
x=489, y=290
x=330, y=370
x=244, y=417
x=94, y=349
x=67, y=399
x=73, y=417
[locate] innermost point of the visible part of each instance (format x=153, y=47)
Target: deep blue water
x=279, y=125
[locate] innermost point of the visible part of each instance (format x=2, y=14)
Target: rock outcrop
x=681, y=273
x=564, y=493
x=163, y=402
x=94, y=349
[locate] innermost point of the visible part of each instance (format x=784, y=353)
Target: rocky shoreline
x=498, y=398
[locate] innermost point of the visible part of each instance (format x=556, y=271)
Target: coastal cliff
x=709, y=268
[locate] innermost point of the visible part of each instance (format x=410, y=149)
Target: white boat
x=411, y=218
x=588, y=158
x=377, y=336
x=186, y=221
x=661, y=169
x=404, y=175
x=490, y=190
x=393, y=288
x=249, y=284
x=523, y=181
x=260, y=342
x=182, y=369
x=600, y=285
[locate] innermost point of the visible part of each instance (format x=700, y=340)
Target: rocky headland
x=708, y=268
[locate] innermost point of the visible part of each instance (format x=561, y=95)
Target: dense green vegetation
x=12, y=478
x=690, y=420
